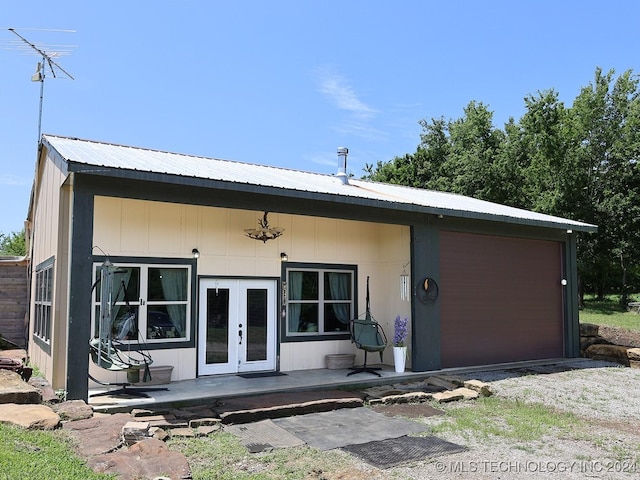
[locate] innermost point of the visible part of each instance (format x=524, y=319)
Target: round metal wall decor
x=427, y=290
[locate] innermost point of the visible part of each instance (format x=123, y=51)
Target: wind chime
x=404, y=284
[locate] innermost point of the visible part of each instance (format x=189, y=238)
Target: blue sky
x=285, y=83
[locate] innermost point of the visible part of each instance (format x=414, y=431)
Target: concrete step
x=278, y=405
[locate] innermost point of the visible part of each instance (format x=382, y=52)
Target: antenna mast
x=47, y=60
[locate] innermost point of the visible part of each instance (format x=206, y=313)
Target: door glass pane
x=217, y=347
x=256, y=331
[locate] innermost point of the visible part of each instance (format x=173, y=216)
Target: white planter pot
x=399, y=358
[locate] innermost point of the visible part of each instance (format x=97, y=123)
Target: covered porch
x=211, y=389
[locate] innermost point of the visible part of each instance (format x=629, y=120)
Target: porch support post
x=571, y=321
x=79, y=327
x=425, y=326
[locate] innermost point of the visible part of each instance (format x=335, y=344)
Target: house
x=481, y=283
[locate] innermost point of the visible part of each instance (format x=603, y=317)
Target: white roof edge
x=128, y=158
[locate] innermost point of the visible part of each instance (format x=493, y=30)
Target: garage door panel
x=501, y=299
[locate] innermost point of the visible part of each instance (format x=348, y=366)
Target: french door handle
x=240, y=336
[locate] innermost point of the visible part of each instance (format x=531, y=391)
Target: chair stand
x=124, y=390
x=364, y=368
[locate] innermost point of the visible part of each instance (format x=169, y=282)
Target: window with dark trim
x=320, y=300
x=152, y=302
x=43, y=301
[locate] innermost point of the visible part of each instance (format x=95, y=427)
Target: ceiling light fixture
x=265, y=232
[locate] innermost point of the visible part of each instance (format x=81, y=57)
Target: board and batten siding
x=50, y=241
x=140, y=228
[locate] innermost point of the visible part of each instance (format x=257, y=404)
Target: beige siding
x=61, y=300
x=126, y=227
x=49, y=235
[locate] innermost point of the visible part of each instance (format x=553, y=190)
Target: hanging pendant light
x=265, y=232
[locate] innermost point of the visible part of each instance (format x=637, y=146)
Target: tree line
x=578, y=162
x=13, y=244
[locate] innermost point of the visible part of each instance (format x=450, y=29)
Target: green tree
x=579, y=162
x=472, y=165
x=459, y=156
x=542, y=154
x=13, y=244
x=607, y=130
x=422, y=169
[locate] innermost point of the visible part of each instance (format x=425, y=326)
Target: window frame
x=144, y=264
x=43, y=303
x=321, y=269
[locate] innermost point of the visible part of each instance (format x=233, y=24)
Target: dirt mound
x=620, y=336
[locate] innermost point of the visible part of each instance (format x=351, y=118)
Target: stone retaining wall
x=595, y=347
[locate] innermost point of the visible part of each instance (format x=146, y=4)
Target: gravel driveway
x=605, y=446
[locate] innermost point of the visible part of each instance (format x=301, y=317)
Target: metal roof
x=126, y=158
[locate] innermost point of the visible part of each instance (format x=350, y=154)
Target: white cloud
x=362, y=130
x=13, y=180
x=324, y=160
x=359, y=117
x=338, y=90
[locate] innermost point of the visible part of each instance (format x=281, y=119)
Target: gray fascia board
x=314, y=196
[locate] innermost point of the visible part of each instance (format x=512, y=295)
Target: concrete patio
x=207, y=390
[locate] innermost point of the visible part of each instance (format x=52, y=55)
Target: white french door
x=237, y=325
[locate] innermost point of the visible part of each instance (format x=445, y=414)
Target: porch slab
x=215, y=391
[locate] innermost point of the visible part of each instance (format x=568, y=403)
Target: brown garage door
x=501, y=299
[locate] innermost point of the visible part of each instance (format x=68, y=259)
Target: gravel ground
x=604, y=445
x=605, y=395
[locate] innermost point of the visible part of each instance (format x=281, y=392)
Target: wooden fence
x=13, y=299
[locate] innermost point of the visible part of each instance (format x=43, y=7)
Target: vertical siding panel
x=501, y=299
x=165, y=228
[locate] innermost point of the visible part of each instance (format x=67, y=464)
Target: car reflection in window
x=160, y=325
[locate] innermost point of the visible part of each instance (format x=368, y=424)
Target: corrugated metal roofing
x=111, y=156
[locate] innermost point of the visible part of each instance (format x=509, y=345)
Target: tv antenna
x=47, y=54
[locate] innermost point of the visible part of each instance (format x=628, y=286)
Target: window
x=320, y=301
x=43, y=301
x=150, y=303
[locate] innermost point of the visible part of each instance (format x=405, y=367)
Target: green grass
x=33, y=454
x=514, y=420
x=223, y=457
x=609, y=312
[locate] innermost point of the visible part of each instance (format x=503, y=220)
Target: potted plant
x=401, y=330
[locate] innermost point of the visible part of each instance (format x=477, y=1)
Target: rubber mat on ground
x=263, y=435
x=347, y=426
x=397, y=451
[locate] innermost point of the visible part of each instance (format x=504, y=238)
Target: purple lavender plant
x=401, y=331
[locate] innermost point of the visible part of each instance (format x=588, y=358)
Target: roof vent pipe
x=342, y=165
